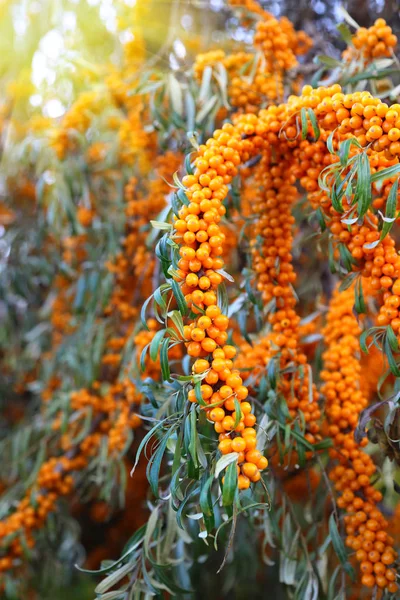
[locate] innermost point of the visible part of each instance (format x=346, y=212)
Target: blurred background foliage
x=50, y=50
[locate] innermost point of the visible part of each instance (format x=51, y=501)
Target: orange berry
x=208, y=345
x=197, y=334
x=262, y=463
x=253, y=456
x=225, y=391
x=230, y=351
x=225, y=446
x=203, y=322
x=217, y=414
x=249, y=469
x=238, y=444
x=243, y=482
x=201, y=365
x=228, y=423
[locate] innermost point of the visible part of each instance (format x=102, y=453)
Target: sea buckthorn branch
x=198, y=241
x=365, y=525
x=373, y=65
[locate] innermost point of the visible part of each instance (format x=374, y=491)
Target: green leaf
x=326, y=443
x=359, y=302
x=320, y=218
x=175, y=92
x=335, y=197
x=114, y=578
x=190, y=107
x=389, y=355
x=363, y=341
x=329, y=142
x=143, y=312
x=346, y=257
x=337, y=541
x=363, y=195
x=204, y=92
x=230, y=485
x=238, y=412
x=179, y=297
x=143, y=358
x=314, y=123
x=154, y=464
x=193, y=437
x=271, y=373
x=390, y=212
x=188, y=164
x=160, y=225
x=197, y=391
x=224, y=462
x=165, y=370
x=158, y=297
x=345, y=33
x=205, y=497
x=222, y=299
x=328, y=61
x=132, y=544
x=385, y=173
x=182, y=196
x=344, y=149
x=177, y=320
x=144, y=441
x=155, y=344
x=348, y=281
x=162, y=252
x=392, y=339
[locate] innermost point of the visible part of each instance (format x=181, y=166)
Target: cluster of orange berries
x=135, y=144
x=272, y=262
x=246, y=91
x=376, y=260
x=366, y=527
x=53, y=481
x=280, y=43
x=114, y=412
x=377, y=41
x=201, y=245
x=357, y=114
x=285, y=38
x=257, y=79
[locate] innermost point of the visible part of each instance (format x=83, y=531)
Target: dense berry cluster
x=257, y=79
x=375, y=42
x=366, y=527
x=201, y=245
